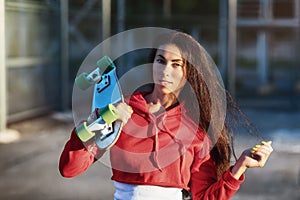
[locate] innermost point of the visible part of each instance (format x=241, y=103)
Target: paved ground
x=28, y=168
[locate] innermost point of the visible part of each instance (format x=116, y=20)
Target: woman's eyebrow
x=177, y=60
x=160, y=56
x=174, y=60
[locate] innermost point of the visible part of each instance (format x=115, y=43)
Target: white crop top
x=126, y=191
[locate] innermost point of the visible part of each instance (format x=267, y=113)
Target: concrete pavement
x=29, y=166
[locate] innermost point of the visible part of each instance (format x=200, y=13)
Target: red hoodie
x=166, y=150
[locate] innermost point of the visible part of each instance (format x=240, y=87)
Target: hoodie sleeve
x=75, y=157
x=205, y=185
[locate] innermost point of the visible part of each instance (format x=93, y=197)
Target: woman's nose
x=167, y=68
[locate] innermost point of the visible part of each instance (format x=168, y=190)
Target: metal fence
x=254, y=42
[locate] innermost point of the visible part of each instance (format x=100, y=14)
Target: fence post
x=121, y=15
x=223, y=37
x=106, y=18
x=64, y=17
x=6, y=135
x=232, y=15
x=3, y=108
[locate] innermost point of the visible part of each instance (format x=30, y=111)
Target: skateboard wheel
x=109, y=114
x=83, y=133
x=83, y=82
x=105, y=64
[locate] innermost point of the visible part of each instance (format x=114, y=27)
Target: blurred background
x=255, y=44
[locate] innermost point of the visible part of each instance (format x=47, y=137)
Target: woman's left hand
x=258, y=155
x=253, y=157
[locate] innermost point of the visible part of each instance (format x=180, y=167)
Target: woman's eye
x=177, y=65
x=159, y=60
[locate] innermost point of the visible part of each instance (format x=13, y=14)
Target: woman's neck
x=158, y=103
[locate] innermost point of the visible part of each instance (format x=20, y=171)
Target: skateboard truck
x=104, y=65
x=103, y=124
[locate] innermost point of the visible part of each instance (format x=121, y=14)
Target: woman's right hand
x=125, y=111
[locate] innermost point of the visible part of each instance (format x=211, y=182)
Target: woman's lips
x=165, y=82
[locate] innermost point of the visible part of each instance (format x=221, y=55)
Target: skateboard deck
x=106, y=128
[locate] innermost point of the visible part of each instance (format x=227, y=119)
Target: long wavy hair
x=205, y=84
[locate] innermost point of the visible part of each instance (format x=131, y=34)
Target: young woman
x=175, y=136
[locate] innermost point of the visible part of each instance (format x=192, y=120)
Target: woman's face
x=169, y=69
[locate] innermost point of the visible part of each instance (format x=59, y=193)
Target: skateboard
x=105, y=130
